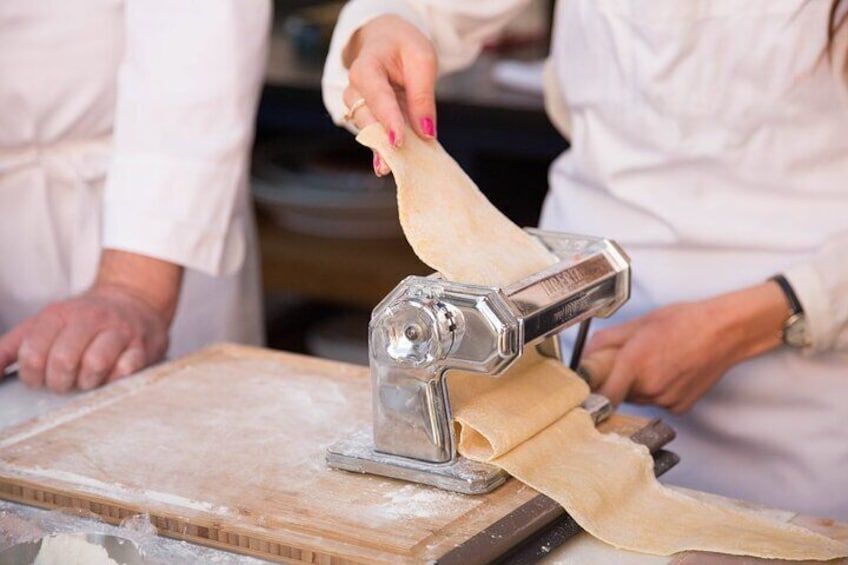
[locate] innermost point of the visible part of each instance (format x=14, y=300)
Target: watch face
x=795, y=331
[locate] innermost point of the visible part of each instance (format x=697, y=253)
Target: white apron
x=59, y=64
x=707, y=142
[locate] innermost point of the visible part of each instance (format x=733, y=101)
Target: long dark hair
x=833, y=25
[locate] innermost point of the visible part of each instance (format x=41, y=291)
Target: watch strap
x=791, y=298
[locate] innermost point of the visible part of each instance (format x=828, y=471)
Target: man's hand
x=119, y=326
x=674, y=355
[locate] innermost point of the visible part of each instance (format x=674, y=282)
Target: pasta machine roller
x=428, y=326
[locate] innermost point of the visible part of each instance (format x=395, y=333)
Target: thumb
x=616, y=386
x=596, y=367
x=10, y=343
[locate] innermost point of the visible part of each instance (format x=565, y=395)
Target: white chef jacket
x=709, y=138
x=127, y=125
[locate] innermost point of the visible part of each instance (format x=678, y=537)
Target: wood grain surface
x=226, y=448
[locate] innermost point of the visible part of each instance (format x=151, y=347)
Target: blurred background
x=331, y=245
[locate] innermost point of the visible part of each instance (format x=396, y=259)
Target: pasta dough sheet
x=528, y=422
x=449, y=223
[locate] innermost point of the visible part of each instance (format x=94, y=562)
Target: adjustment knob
x=415, y=332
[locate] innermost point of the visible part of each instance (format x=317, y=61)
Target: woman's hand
x=117, y=327
x=393, y=68
x=674, y=355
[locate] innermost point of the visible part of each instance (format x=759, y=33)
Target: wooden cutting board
x=226, y=448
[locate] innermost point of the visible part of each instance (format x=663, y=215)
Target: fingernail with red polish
x=393, y=140
x=377, y=163
x=428, y=127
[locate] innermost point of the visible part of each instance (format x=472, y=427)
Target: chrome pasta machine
x=428, y=326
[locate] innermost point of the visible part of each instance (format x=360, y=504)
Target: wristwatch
x=795, y=326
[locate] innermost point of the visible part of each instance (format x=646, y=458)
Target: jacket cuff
x=812, y=295
x=199, y=229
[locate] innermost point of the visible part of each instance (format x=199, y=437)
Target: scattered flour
x=414, y=501
x=71, y=550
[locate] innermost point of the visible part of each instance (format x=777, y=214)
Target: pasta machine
x=428, y=326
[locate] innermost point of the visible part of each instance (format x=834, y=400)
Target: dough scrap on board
x=528, y=421
x=68, y=549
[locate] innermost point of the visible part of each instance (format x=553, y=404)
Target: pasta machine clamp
x=428, y=326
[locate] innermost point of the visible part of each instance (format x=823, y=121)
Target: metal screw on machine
x=427, y=327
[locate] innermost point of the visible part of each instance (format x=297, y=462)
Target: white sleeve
x=188, y=86
x=822, y=288
x=458, y=30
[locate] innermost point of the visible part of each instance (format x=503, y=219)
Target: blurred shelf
x=357, y=272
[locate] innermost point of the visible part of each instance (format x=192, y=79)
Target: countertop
x=22, y=523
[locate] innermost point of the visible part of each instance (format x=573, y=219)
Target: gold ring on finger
x=353, y=108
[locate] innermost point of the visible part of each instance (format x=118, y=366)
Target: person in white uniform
x=125, y=227
x=709, y=139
